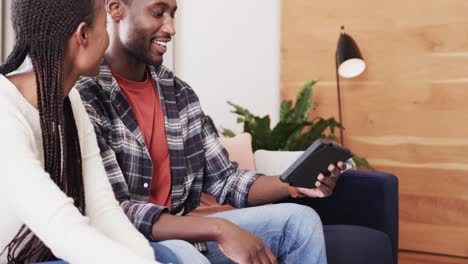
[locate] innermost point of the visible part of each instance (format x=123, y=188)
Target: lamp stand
x=339, y=101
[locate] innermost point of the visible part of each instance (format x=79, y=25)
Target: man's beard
x=140, y=52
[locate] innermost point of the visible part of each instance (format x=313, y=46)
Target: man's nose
x=169, y=27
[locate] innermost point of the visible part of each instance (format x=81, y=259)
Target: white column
x=1, y=30
x=230, y=50
x=169, y=56
x=6, y=30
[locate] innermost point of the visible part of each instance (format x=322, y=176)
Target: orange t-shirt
x=144, y=100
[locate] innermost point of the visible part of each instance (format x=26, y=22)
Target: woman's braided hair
x=42, y=29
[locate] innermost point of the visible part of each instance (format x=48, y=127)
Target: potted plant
x=295, y=131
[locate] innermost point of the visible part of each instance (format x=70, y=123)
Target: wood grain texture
x=417, y=258
x=408, y=112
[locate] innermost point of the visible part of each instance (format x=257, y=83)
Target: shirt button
x=145, y=185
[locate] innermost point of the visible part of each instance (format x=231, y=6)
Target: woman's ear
x=81, y=35
x=76, y=46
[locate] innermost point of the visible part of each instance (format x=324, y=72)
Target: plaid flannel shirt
x=199, y=163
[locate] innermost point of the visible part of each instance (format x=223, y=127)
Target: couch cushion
x=240, y=151
x=349, y=244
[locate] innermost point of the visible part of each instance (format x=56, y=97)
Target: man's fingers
x=329, y=182
x=321, y=177
x=341, y=165
x=322, y=186
x=315, y=192
x=326, y=184
x=334, y=170
x=263, y=257
x=319, y=192
x=254, y=259
x=271, y=257
x=322, y=189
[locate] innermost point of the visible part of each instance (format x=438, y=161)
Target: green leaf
x=226, y=132
x=282, y=132
x=294, y=131
x=315, y=130
x=362, y=163
x=303, y=102
x=240, y=120
x=241, y=111
x=332, y=124
x=292, y=141
x=301, y=109
x=261, y=133
x=332, y=137
x=285, y=110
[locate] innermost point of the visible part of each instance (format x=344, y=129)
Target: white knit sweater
x=28, y=195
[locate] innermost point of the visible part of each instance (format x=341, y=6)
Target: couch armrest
x=360, y=198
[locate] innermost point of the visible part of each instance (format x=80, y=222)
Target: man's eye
x=158, y=14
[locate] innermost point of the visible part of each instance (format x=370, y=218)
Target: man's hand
x=243, y=247
x=325, y=184
x=236, y=243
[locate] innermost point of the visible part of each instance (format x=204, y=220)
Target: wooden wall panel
x=415, y=258
x=408, y=113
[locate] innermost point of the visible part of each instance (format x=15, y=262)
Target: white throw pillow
x=274, y=163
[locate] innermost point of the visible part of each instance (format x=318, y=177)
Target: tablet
x=315, y=160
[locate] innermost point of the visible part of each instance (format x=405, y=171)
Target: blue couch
x=360, y=218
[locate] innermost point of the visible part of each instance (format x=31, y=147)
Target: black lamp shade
x=348, y=57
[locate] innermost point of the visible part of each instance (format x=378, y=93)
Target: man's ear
x=115, y=9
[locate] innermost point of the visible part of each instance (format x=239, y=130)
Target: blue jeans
x=293, y=232
x=163, y=251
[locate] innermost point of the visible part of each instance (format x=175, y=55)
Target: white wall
x=7, y=34
x=169, y=56
x=230, y=50
x=226, y=50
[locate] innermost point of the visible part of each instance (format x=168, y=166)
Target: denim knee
x=300, y=211
x=303, y=235
x=184, y=252
x=304, y=217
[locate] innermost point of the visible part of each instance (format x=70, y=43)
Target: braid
x=42, y=35
x=15, y=59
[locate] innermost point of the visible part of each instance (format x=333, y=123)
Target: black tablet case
x=315, y=160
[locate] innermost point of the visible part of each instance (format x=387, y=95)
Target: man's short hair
x=125, y=1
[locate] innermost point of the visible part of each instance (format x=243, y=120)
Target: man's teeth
x=162, y=44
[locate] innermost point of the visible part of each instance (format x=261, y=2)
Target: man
x=161, y=152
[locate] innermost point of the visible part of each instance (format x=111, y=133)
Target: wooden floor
x=417, y=258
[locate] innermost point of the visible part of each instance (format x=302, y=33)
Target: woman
x=52, y=172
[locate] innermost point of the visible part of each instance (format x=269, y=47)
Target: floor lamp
x=349, y=64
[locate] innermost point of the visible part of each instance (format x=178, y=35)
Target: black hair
x=42, y=29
